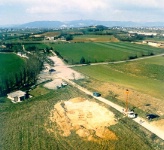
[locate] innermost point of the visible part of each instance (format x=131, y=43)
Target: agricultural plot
x=103, y=52
x=38, y=46
x=50, y=34
x=10, y=64
x=94, y=38
x=28, y=125
x=144, y=78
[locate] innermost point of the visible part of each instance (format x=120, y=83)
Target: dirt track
x=66, y=74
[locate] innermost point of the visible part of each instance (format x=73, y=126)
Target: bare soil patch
x=62, y=69
x=88, y=119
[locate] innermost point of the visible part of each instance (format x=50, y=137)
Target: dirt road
x=139, y=120
x=117, y=62
x=65, y=73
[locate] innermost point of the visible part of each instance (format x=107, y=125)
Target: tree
x=69, y=37
x=82, y=60
x=9, y=45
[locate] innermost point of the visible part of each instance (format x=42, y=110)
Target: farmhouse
x=16, y=96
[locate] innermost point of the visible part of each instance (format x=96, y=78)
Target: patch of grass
x=37, y=45
x=39, y=90
x=10, y=64
x=144, y=75
x=94, y=38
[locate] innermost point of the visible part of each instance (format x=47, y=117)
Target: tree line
x=23, y=78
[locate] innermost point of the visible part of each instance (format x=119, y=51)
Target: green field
x=23, y=126
x=94, y=38
x=37, y=45
x=146, y=75
x=103, y=52
x=10, y=64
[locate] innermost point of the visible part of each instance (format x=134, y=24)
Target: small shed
x=16, y=96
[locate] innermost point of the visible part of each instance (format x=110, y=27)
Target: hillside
x=83, y=23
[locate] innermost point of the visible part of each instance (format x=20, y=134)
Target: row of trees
x=24, y=77
x=126, y=37
x=66, y=35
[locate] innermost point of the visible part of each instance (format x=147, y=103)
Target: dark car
x=52, y=70
x=96, y=94
x=151, y=116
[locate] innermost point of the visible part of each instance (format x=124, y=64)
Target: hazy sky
x=22, y=11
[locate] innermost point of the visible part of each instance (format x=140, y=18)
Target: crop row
x=103, y=52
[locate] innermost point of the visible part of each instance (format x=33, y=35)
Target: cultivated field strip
x=103, y=51
x=126, y=47
x=115, y=47
x=132, y=47
x=140, y=46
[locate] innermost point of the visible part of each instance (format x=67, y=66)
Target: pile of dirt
x=88, y=119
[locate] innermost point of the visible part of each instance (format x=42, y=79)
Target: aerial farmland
x=61, y=70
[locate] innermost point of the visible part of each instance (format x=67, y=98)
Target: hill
x=83, y=23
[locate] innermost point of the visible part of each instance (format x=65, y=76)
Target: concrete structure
x=16, y=96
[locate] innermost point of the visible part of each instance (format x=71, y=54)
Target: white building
x=16, y=96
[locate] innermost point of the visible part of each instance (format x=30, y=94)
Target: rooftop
x=17, y=94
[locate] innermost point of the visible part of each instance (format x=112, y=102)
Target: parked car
x=63, y=84
x=131, y=114
x=52, y=70
x=96, y=94
x=151, y=116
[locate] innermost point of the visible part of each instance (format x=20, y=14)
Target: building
x=17, y=96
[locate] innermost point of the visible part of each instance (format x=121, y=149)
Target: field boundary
x=116, y=62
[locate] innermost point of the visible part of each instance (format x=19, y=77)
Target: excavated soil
x=88, y=119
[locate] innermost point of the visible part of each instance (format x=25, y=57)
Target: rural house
x=16, y=96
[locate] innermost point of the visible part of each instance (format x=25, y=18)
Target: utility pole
x=127, y=96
